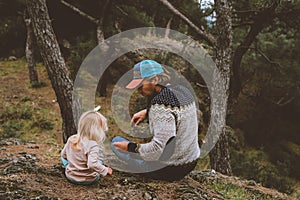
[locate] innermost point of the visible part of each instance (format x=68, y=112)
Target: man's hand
x=121, y=145
x=138, y=117
x=109, y=171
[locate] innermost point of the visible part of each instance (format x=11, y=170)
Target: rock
x=147, y=196
x=44, y=198
x=4, y=161
x=123, y=181
x=21, y=177
x=12, y=58
x=22, y=163
x=251, y=183
x=31, y=146
x=10, y=142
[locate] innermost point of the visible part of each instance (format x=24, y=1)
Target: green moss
x=255, y=164
x=11, y=128
x=235, y=192
x=39, y=84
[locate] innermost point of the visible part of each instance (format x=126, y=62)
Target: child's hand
x=109, y=171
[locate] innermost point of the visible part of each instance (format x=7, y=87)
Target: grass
x=27, y=112
x=235, y=192
x=30, y=114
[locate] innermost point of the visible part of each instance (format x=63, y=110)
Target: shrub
x=43, y=124
x=25, y=99
x=11, y=128
x=39, y=84
x=12, y=113
x=255, y=164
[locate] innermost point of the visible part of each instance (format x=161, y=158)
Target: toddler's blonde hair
x=91, y=126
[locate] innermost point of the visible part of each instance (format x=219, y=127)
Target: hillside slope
x=30, y=136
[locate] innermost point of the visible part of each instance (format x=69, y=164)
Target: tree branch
x=121, y=10
x=78, y=11
x=206, y=36
x=282, y=101
x=263, y=19
x=266, y=57
x=210, y=12
x=104, y=9
x=245, y=11
x=242, y=24
x=168, y=27
x=200, y=85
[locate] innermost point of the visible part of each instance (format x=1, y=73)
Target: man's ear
x=155, y=80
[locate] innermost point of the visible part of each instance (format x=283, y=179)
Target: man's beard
x=150, y=97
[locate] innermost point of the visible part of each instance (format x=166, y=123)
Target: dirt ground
x=31, y=169
x=44, y=177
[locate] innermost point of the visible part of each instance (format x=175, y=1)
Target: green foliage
x=12, y=120
x=16, y=120
x=286, y=156
x=136, y=18
x=12, y=33
x=255, y=164
x=268, y=106
x=11, y=128
x=269, y=73
x=25, y=98
x=79, y=50
x=39, y=84
x=232, y=191
x=12, y=113
x=43, y=124
x=3, y=72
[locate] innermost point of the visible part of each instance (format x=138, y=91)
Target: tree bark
x=219, y=156
x=29, y=52
x=55, y=64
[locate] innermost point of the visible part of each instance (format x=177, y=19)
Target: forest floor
x=30, y=146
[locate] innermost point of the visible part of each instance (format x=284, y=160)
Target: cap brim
x=134, y=83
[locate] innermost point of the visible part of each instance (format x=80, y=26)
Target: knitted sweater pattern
x=173, y=115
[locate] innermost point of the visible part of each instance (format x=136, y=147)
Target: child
x=82, y=155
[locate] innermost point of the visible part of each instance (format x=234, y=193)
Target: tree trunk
x=29, y=52
x=55, y=64
x=219, y=156
x=102, y=86
x=100, y=33
x=103, y=82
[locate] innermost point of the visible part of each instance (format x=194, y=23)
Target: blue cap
x=144, y=69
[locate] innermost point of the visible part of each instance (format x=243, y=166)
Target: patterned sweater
x=172, y=117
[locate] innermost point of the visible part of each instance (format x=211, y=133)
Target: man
x=173, y=151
